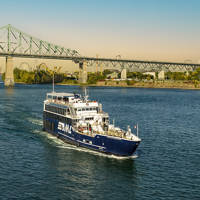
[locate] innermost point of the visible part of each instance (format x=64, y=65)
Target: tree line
x=43, y=76
x=38, y=77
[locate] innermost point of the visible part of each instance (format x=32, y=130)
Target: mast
x=53, y=82
x=86, y=95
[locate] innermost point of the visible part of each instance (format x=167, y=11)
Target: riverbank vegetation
x=111, y=78
x=190, y=80
x=40, y=77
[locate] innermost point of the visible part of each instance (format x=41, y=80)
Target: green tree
x=94, y=77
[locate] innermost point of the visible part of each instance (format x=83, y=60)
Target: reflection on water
x=9, y=91
x=92, y=175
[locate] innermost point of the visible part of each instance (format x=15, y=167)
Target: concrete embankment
x=153, y=84
x=143, y=84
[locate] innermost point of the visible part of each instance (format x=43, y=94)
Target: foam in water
x=35, y=121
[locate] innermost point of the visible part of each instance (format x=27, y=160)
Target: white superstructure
x=87, y=117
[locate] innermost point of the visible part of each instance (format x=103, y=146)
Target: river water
x=35, y=165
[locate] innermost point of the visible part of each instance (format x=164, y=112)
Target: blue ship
x=82, y=122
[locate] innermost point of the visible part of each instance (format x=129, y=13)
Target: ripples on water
x=36, y=165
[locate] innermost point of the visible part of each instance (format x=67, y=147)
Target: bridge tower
x=9, y=75
x=83, y=72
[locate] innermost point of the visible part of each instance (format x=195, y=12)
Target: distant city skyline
x=143, y=30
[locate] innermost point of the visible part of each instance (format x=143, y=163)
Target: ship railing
x=118, y=134
x=88, y=132
x=58, y=102
x=102, y=112
x=92, y=133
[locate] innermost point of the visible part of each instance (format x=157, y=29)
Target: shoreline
x=152, y=85
x=156, y=85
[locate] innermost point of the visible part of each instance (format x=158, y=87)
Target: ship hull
x=101, y=143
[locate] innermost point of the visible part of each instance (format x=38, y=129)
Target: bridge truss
x=141, y=66
x=15, y=43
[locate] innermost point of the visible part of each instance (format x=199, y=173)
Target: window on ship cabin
x=65, y=99
x=89, y=118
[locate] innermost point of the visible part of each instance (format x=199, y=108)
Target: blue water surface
x=35, y=165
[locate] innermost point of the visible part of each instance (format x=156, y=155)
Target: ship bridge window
x=77, y=96
x=89, y=118
x=65, y=99
x=105, y=119
x=87, y=109
x=59, y=98
x=92, y=108
x=54, y=97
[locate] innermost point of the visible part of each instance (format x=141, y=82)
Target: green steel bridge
x=15, y=43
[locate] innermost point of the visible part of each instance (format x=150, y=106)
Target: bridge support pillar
x=123, y=74
x=83, y=72
x=9, y=75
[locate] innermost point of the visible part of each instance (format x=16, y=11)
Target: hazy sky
x=139, y=29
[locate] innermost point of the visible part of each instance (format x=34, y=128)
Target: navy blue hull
x=101, y=143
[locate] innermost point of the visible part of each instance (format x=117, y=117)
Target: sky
x=162, y=30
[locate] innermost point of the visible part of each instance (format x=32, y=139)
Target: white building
x=151, y=73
